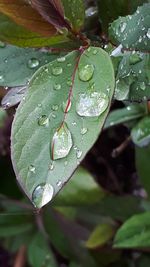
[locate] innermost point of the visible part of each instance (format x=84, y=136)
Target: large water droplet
x=61, y=142
x=92, y=104
x=43, y=120
x=33, y=63
x=57, y=71
x=86, y=72
x=42, y=194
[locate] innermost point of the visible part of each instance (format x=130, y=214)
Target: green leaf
x=81, y=184
x=133, y=79
x=143, y=166
x=39, y=253
x=17, y=65
x=141, y=132
x=75, y=13
x=60, y=119
x=122, y=115
x=134, y=233
x=100, y=236
x=15, y=34
x=3, y=116
x=14, y=224
x=132, y=31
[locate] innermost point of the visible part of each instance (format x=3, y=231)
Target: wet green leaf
x=3, y=116
x=134, y=233
x=17, y=65
x=141, y=132
x=123, y=115
x=132, y=31
x=41, y=115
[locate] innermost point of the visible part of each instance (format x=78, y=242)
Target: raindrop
x=123, y=27
x=59, y=183
x=55, y=107
x=61, y=142
x=51, y=166
x=142, y=86
x=33, y=63
x=61, y=59
x=92, y=104
x=79, y=154
x=56, y=71
x=1, y=78
x=69, y=83
x=95, y=52
x=84, y=131
x=42, y=194
x=148, y=33
x=32, y=168
x=86, y=72
x=43, y=120
x=57, y=87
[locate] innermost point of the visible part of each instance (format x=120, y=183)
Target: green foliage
x=68, y=65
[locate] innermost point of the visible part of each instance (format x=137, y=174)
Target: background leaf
x=44, y=101
x=141, y=132
x=134, y=233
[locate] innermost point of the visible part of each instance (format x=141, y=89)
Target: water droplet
x=95, y=52
x=148, y=33
x=57, y=87
x=134, y=59
x=61, y=142
x=59, y=183
x=142, y=86
x=69, y=65
x=84, y=131
x=56, y=71
x=42, y=194
x=79, y=154
x=55, y=107
x=51, y=166
x=61, y=59
x=123, y=27
x=43, y=120
x=1, y=78
x=92, y=104
x=67, y=106
x=86, y=72
x=32, y=168
x=2, y=45
x=33, y=63
x=69, y=83
x=74, y=123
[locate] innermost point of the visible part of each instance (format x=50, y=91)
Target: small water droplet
x=79, y=154
x=33, y=63
x=95, y=52
x=142, y=86
x=61, y=142
x=32, y=168
x=123, y=27
x=86, y=72
x=69, y=64
x=69, y=83
x=42, y=194
x=55, y=107
x=1, y=78
x=74, y=123
x=57, y=87
x=59, y=183
x=56, y=71
x=43, y=120
x=84, y=131
x=61, y=59
x=92, y=104
x=148, y=33
x=51, y=166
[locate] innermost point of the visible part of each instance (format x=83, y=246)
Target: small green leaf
x=100, y=236
x=141, y=132
x=87, y=106
x=134, y=233
x=81, y=184
x=132, y=31
x=143, y=166
x=122, y=115
x=39, y=252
